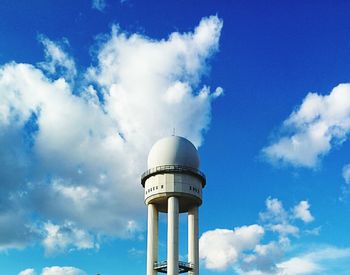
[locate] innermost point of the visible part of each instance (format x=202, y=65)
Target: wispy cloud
x=57, y=62
x=346, y=173
x=345, y=189
x=99, y=5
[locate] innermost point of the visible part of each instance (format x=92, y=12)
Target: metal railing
x=163, y=266
x=173, y=169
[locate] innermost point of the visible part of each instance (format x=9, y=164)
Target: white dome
x=173, y=150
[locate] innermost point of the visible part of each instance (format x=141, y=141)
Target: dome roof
x=173, y=150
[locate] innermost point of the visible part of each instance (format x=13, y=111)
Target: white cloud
x=316, y=261
x=263, y=258
x=346, y=173
x=60, y=237
x=243, y=249
x=301, y=211
x=221, y=248
x=313, y=128
x=274, y=211
x=84, y=147
x=296, y=266
x=285, y=229
x=277, y=219
x=322, y=260
x=28, y=271
x=99, y=5
x=65, y=270
x=57, y=60
x=142, y=78
x=55, y=270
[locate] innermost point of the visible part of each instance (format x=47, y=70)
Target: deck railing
x=163, y=266
x=173, y=169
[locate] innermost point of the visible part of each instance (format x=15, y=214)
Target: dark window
x=161, y=186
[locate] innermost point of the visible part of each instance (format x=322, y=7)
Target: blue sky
x=261, y=87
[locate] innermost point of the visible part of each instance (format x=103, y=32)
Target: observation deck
x=170, y=169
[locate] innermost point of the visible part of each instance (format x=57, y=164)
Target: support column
x=193, y=245
x=173, y=236
x=152, y=239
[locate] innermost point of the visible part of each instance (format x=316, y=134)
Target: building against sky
x=173, y=184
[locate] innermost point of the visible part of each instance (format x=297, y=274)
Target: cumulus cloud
x=72, y=153
x=220, y=248
x=311, y=131
x=66, y=270
x=263, y=258
x=60, y=237
x=28, y=271
x=99, y=5
x=55, y=270
x=244, y=248
x=301, y=211
x=142, y=78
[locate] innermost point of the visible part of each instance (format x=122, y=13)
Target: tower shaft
x=193, y=245
x=152, y=239
x=173, y=236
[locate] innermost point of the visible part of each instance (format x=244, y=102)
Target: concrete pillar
x=152, y=239
x=173, y=236
x=193, y=245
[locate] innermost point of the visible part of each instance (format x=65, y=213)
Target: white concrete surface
x=193, y=242
x=173, y=236
x=152, y=239
x=173, y=150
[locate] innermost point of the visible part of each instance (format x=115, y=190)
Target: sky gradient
x=262, y=88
